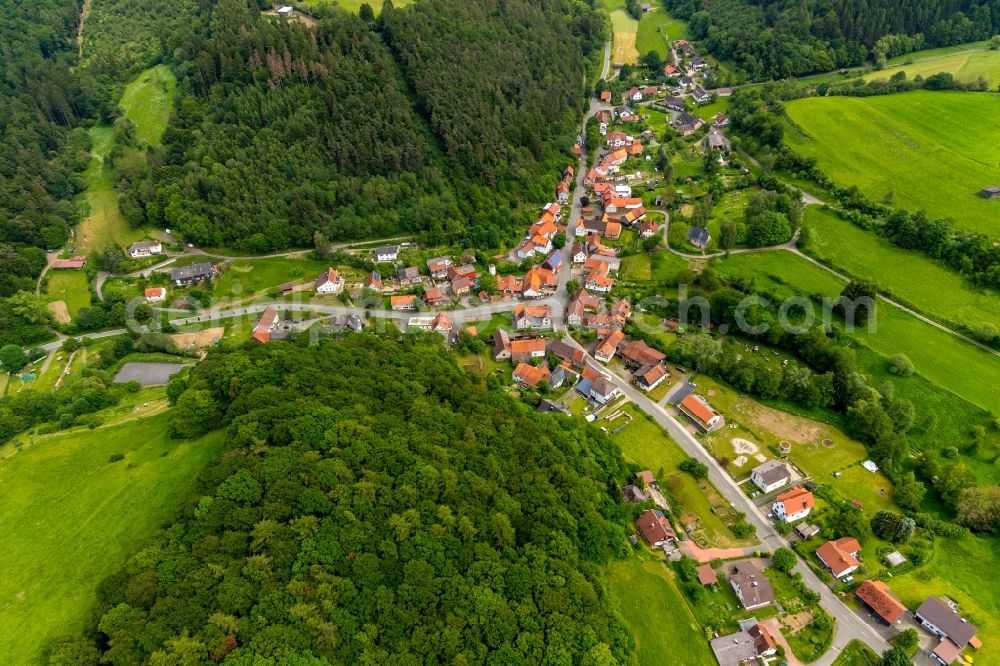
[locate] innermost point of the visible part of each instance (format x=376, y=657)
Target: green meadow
x=926, y=150
x=101, y=222
x=147, y=102
x=245, y=277
x=656, y=25
x=71, y=287
x=908, y=274
x=354, y=6
x=652, y=606
x=967, y=62
x=71, y=517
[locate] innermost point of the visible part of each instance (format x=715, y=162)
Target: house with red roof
x=793, y=505
x=698, y=410
x=655, y=528
x=329, y=282
x=609, y=347
x=840, y=556
x=530, y=375
x=880, y=600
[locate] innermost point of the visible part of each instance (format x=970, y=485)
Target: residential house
x=407, y=277
x=156, y=294
x=597, y=387
x=675, y=104
x=582, y=303
x=941, y=618
x=626, y=115
x=608, y=347
x=144, y=249
x=562, y=191
x=408, y=302
x=770, y=476
x=605, y=96
x=637, y=353
x=329, y=282
x=538, y=281
x=550, y=407
x=840, y=556
x=634, y=494
x=687, y=124
x=435, y=296
x=745, y=646
x=597, y=276
x=632, y=95
x=553, y=262
x=655, y=528
x=879, y=599
x=697, y=63
x=649, y=376
x=684, y=47
x=579, y=253
x=575, y=357
x=530, y=375
x=649, y=91
x=615, y=140
x=438, y=267
x=670, y=70
x=721, y=120
x=71, y=264
x=616, y=158
x=532, y=317
x=698, y=410
x=373, y=281
x=462, y=286
x=686, y=82
x=751, y=586
x=188, y=275
x=387, y=253
x=509, y=285
x=501, y=345
x=648, y=229
x=613, y=204
x=716, y=141
x=646, y=477
x=525, y=349
x=793, y=505
x=269, y=327
x=699, y=237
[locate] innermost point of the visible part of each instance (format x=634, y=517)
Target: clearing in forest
x=147, y=102
x=623, y=50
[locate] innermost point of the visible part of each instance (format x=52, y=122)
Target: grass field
x=908, y=274
x=657, y=614
x=71, y=518
x=71, y=287
x=930, y=150
x=623, y=47
x=147, y=102
x=654, y=26
x=967, y=62
x=857, y=654
x=353, y=6
x=935, y=353
x=102, y=223
x=242, y=278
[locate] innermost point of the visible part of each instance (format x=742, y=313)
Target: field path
x=84, y=13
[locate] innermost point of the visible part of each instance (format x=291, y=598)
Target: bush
x=783, y=560
x=695, y=468
x=901, y=365
x=115, y=457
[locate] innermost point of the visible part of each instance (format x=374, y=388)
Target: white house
x=793, y=505
x=329, y=282
x=770, y=475
x=156, y=294
x=144, y=249
x=387, y=253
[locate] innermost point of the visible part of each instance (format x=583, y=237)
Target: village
x=549, y=317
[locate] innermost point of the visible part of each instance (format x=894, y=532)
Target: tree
x=900, y=364
x=12, y=358
x=910, y=493
x=907, y=640
x=783, y=559
x=770, y=228
x=695, y=468
x=857, y=301
x=979, y=508
x=995, y=43
x=729, y=235
x=653, y=61
x=893, y=527
x=895, y=657
x=194, y=414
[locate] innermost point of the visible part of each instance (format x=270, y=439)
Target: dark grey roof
x=634, y=494
x=753, y=584
x=193, y=271
x=387, y=249
x=950, y=622
x=771, y=472
x=549, y=407
x=734, y=649
x=699, y=236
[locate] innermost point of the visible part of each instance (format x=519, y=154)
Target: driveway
x=774, y=628
x=701, y=555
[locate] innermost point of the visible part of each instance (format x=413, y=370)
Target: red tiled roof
x=837, y=555
x=698, y=408
x=877, y=596
x=795, y=500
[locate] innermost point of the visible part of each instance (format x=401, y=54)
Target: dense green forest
x=779, y=38
x=376, y=504
x=41, y=101
x=358, y=129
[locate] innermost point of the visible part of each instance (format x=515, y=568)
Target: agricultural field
x=651, y=604
x=907, y=274
x=101, y=223
x=623, y=47
x=967, y=62
x=73, y=517
x=927, y=150
x=148, y=101
x=70, y=288
x=934, y=352
x=354, y=6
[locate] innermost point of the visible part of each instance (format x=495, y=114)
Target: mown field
x=651, y=604
x=147, y=102
x=656, y=25
x=967, y=62
x=908, y=274
x=928, y=150
x=102, y=223
x=71, y=518
x=70, y=287
x=246, y=277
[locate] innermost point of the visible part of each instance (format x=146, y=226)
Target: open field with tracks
x=73, y=517
x=147, y=102
x=967, y=62
x=928, y=150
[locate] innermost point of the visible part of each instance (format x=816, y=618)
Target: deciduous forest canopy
x=779, y=38
x=376, y=505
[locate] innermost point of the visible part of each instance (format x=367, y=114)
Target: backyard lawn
x=857, y=654
x=245, y=277
x=652, y=606
x=70, y=287
x=72, y=518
